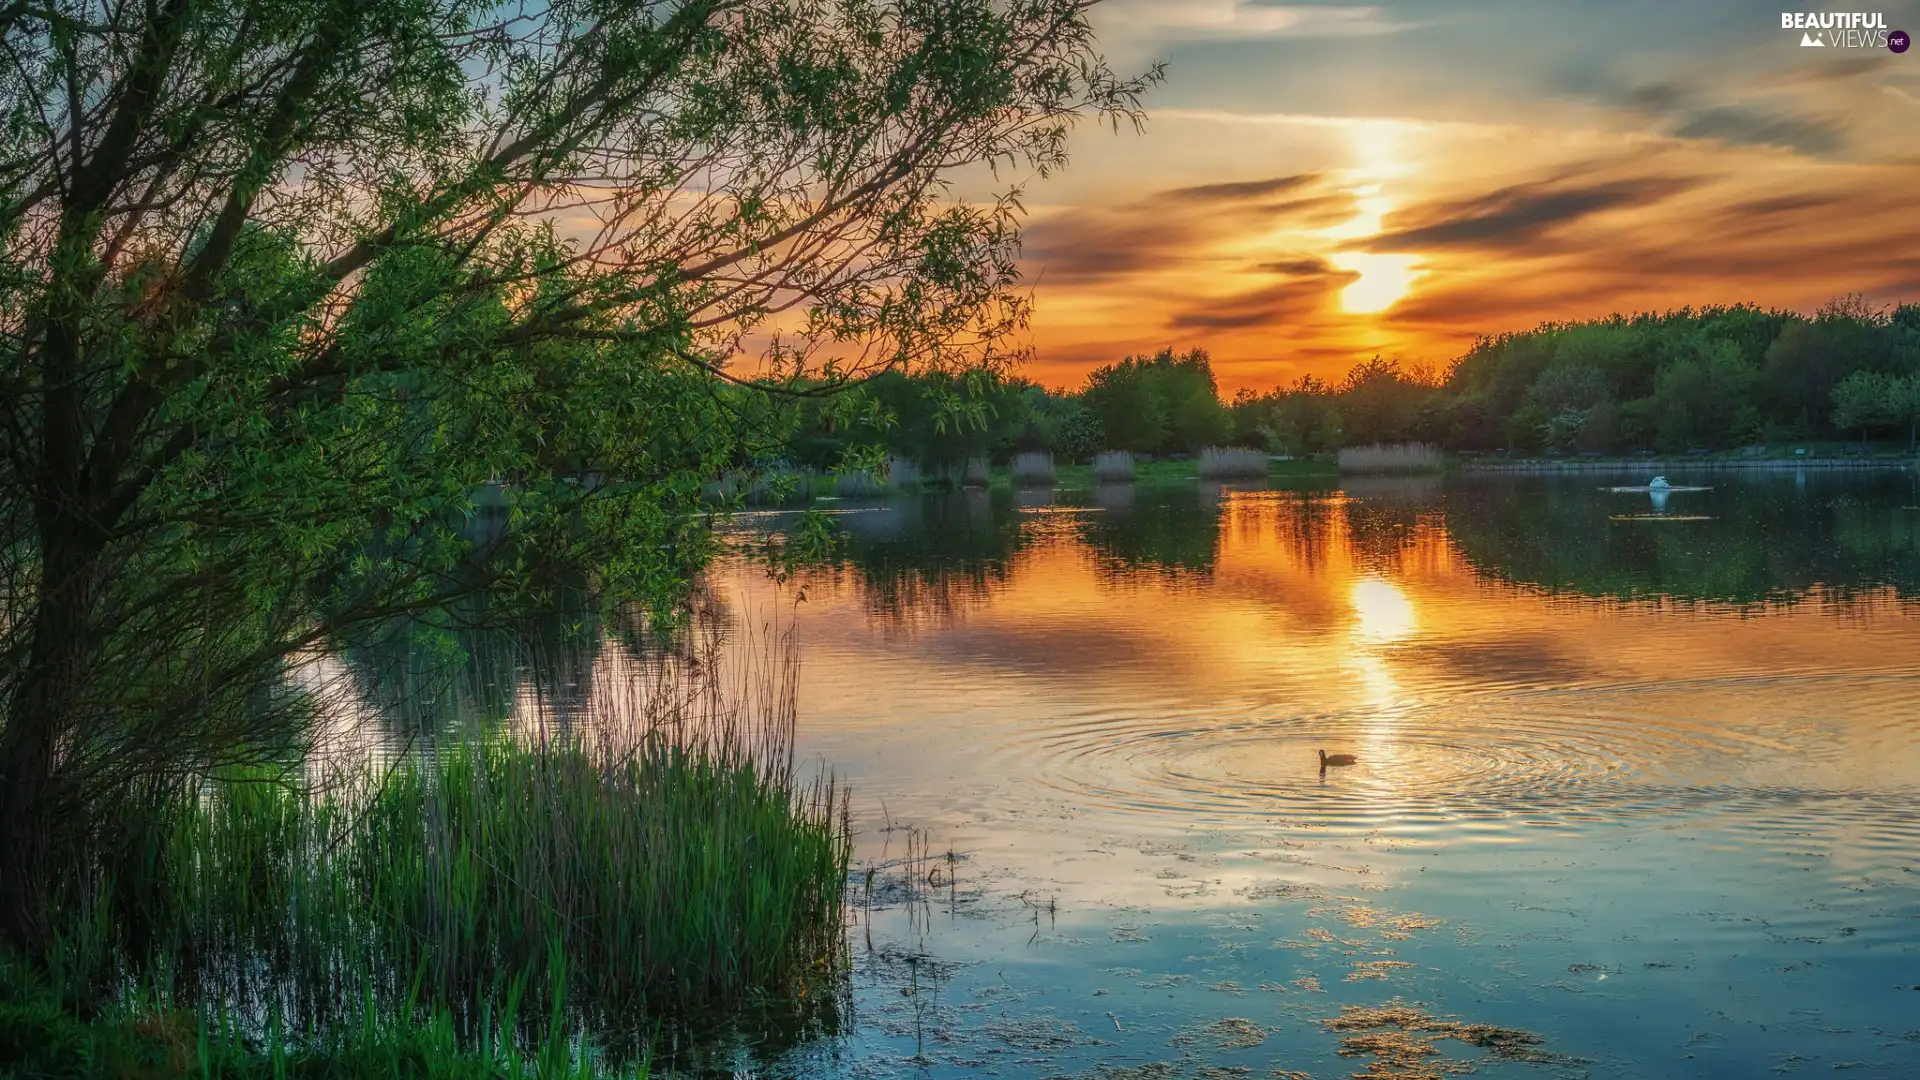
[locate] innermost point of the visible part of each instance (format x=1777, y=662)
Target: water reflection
x=1665, y=762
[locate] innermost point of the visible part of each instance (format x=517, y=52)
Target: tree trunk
x=33, y=803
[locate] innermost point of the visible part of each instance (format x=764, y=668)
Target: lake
x=1635, y=793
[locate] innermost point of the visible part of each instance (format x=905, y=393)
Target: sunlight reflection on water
x=1668, y=775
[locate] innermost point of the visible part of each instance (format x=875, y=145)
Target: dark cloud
x=1093, y=245
x=1239, y=191
x=1779, y=206
x=1164, y=229
x=1279, y=303
x=1304, y=266
x=1518, y=216
x=1741, y=126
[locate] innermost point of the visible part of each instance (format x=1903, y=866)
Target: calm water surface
x=1638, y=780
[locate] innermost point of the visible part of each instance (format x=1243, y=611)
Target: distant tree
x=1867, y=400
x=1159, y=404
x=1811, y=357
x=1380, y=401
x=1706, y=399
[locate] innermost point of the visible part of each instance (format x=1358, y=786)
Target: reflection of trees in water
x=480, y=663
x=1764, y=540
x=934, y=556
x=1173, y=530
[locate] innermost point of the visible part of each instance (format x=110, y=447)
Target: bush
x=1113, y=467
x=1231, y=463
x=1033, y=467
x=1400, y=458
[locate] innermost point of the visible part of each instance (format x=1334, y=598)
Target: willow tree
x=285, y=282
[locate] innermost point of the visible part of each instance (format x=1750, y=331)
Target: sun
x=1383, y=280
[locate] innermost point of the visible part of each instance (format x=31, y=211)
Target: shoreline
x=1658, y=465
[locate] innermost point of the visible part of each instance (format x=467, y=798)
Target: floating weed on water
x=1039, y=1034
x=1374, y=969
x=1152, y=1070
x=1222, y=1072
x=1363, y=915
x=1309, y=983
x=1281, y=890
x=1228, y=986
x=1403, y=1042
x=1289, y=1074
x=1229, y=1033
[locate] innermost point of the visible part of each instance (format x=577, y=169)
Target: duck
x=1327, y=759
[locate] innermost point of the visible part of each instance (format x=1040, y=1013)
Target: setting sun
x=1383, y=280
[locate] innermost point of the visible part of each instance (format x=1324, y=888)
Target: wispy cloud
x=1241, y=19
x=1518, y=215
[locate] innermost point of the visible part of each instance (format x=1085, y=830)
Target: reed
x=1231, y=463
x=1394, y=458
x=1032, y=467
x=41, y=1035
x=978, y=473
x=897, y=473
x=654, y=849
x=1113, y=467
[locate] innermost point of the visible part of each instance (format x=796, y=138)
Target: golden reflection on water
x=1073, y=687
x=1384, y=612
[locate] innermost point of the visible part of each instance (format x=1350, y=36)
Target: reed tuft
x=1394, y=458
x=1033, y=467
x=1113, y=467
x=1231, y=463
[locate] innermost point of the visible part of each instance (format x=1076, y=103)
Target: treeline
x=1707, y=378
x=1162, y=404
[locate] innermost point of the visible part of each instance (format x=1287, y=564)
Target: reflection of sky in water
x=1672, y=834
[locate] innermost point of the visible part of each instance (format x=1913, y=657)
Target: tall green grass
x=651, y=855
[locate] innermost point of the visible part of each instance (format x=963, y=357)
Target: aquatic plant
x=1394, y=458
x=1033, y=467
x=42, y=1035
x=1113, y=467
x=1231, y=463
x=653, y=849
x=896, y=474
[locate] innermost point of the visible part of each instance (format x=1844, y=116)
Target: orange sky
x=1318, y=182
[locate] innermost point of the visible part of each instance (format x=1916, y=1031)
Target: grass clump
x=1032, y=467
x=651, y=857
x=1113, y=467
x=1231, y=463
x=41, y=1035
x=1395, y=458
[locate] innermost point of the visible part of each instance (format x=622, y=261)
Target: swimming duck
x=1327, y=759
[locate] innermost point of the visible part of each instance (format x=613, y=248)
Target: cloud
x=1303, y=266
x=1284, y=302
x=1742, y=126
x=1241, y=190
x=1086, y=245
x=1778, y=206
x=1518, y=215
x=1243, y=19
x=1172, y=227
